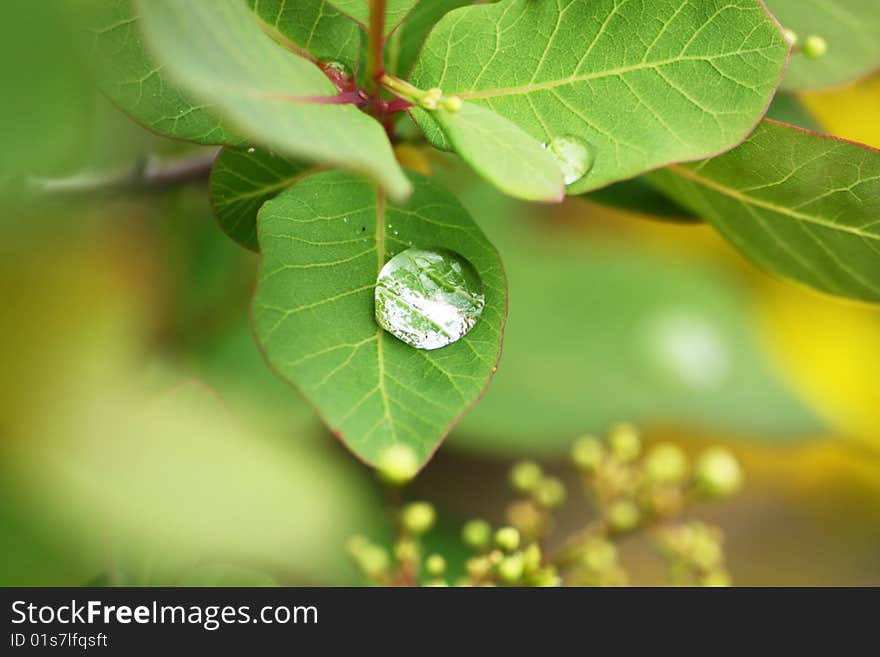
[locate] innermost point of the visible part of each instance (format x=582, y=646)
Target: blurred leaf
x=788, y=108
x=313, y=26
x=241, y=182
x=503, y=154
x=406, y=41
x=359, y=10
x=638, y=196
x=324, y=242
x=91, y=461
x=133, y=80
x=641, y=84
x=218, y=53
x=799, y=204
x=602, y=330
x=47, y=96
x=850, y=27
x=850, y=112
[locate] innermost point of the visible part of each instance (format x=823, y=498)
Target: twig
x=147, y=176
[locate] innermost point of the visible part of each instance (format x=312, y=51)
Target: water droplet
x=574, y=156
x=252, y=150
x=428, y=298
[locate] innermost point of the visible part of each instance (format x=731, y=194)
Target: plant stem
x=147, y=175
x=375, y=48
x=402, y=88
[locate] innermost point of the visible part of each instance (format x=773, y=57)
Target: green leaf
x=324, y=242
x=218, y=52
x=133, y=80
x=801, y=204
x=850, y=27
x=359, y=10
x=312, y=27
x=405, y=43
x=602, y=329
x=644, y=84
x=241, y=181
x=502, y=153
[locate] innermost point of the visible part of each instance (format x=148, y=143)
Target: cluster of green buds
x=813, y=46
x=503, y=557
x=631, y=489
x=406, y=564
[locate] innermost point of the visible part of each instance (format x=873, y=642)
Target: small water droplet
x=428, y=298
x=574, y=156
x=345, y=219
x=252, y=150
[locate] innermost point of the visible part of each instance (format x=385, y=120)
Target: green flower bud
x=397, y=465
x=599, y=555
x=527, y=518
x=417, y=517
x=356, y=544
x=532, y=558
x=586, y=453
x=373, y=560
x=453, y=104
x=550, y=493
x=546, y=577
x=665, y=463
x=790, y=36
x=623, y=515
x=717, y=578
x=477, y=534
x=507, y=538
x=407, y=551
x=717, y=473
x=511, y=568
x=435, y=565
x=814, y=46
x=478, y=567
x=525, y=476
x=625, y=442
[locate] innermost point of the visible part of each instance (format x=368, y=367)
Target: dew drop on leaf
x=428, y=298
x=574, y=156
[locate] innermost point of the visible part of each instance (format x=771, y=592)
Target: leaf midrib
x=553, y=84
x=745, y=199
x=380, y=351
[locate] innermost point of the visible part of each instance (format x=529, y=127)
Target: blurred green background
x=143, y=441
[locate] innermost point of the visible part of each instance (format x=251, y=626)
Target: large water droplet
x=428, y=298
x=573, y=155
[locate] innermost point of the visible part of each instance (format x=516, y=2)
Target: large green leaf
x=506, y=156
x=405, y=43
x=643, y=84
x=218, y=53
x=135, y=82
x=241, y=181
x=359, y=10
x=602, y=329
x=850, y=27
x=798, y=203
x=323, y=243
x=311, y=26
